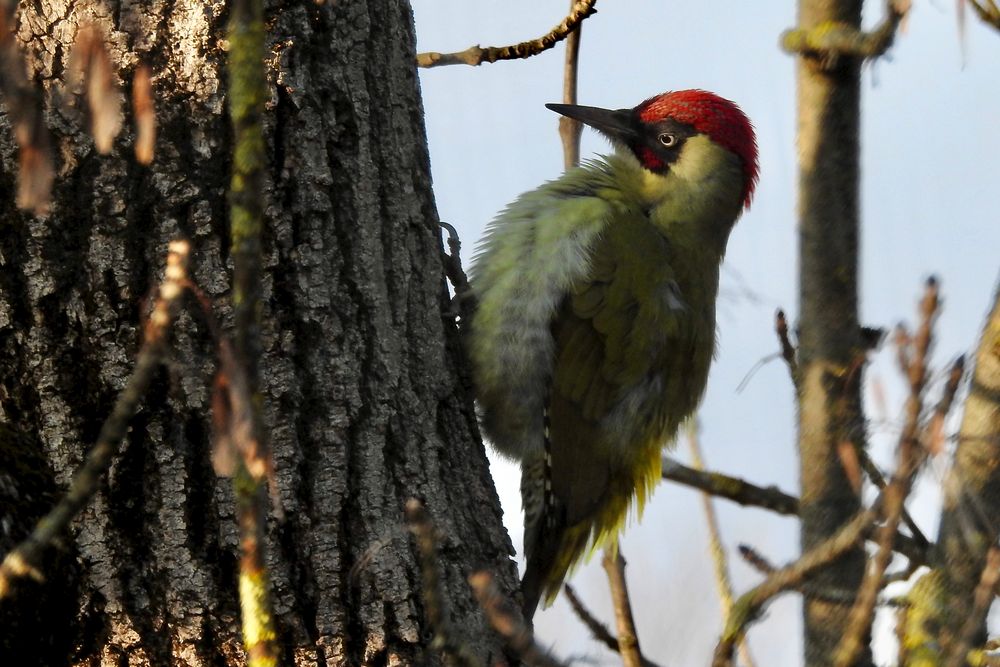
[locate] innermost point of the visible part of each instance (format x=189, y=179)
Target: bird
x=594, y=326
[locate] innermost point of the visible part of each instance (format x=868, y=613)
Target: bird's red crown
x=709, y=114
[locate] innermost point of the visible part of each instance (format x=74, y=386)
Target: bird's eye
x=667, y=139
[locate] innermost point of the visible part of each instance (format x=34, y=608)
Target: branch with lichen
x=247, y=96
x=24, y=558
x=477, y=55
x=831, y=40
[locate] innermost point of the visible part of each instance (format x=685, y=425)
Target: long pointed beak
x=617, y=125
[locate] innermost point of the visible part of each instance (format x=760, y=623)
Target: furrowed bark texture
x=829, y=395
x=362, y=397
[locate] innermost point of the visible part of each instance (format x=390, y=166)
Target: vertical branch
x=570, y=130
x=628, y=640
x=829, y=332
x=718, y=552
x=247, y=94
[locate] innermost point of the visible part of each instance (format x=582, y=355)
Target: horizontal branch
x=730, y=488
x=477, y=55
x=771, y=498
x=832, y=39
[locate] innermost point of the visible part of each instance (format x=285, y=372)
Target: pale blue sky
x=931, y=148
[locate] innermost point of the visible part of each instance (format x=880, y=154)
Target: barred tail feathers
x=553, y=548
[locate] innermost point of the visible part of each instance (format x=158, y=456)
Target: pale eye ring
x=667, y=139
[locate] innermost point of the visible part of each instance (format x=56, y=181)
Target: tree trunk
x=830, y=353
x=364, y=400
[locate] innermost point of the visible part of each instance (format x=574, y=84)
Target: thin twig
x=445, y=636
x=476, y=55
x=878, y=479
x=722, y=581
x=628, y=639
x=730, y=488
x=896, y=492
x=507, y=621
x=988, y=11
x=599, y=631
x=758, y=562
x=24, y=558
x=933, y=437
x=749, y=605
x=787, y=349
x=570, y=129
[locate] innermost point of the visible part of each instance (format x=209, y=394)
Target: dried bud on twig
x=145, y=116
x=90, y=64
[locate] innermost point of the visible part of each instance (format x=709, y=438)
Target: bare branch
x=896, y=492
x=508, y=622
x=570, y=129
x=628, y=640
x=599, y=631
x=787, y=349
x=476, y=55
x=988, y=11
x=750, y=604
x=933, y=437
x=730, y=488
x=23, y=559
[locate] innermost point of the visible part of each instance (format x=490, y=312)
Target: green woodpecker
x=595, y=325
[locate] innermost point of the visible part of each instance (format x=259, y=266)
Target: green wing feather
x=627, y=371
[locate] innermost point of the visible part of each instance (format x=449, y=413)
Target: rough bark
x=830, y=363
x=363, y=398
